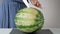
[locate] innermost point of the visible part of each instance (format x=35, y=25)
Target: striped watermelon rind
x=29, y=20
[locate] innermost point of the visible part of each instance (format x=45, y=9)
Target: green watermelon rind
x=33, y=27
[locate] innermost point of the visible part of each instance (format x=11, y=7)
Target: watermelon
x=29, y=20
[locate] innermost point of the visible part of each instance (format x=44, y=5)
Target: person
x=8, y=10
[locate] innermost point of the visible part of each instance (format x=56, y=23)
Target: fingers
x=39, y=5
x=36, y=3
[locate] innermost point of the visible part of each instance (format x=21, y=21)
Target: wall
x=51, y=11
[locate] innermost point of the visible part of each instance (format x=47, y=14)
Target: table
x=43, y=31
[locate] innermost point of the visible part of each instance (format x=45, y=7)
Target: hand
x=36, y=3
